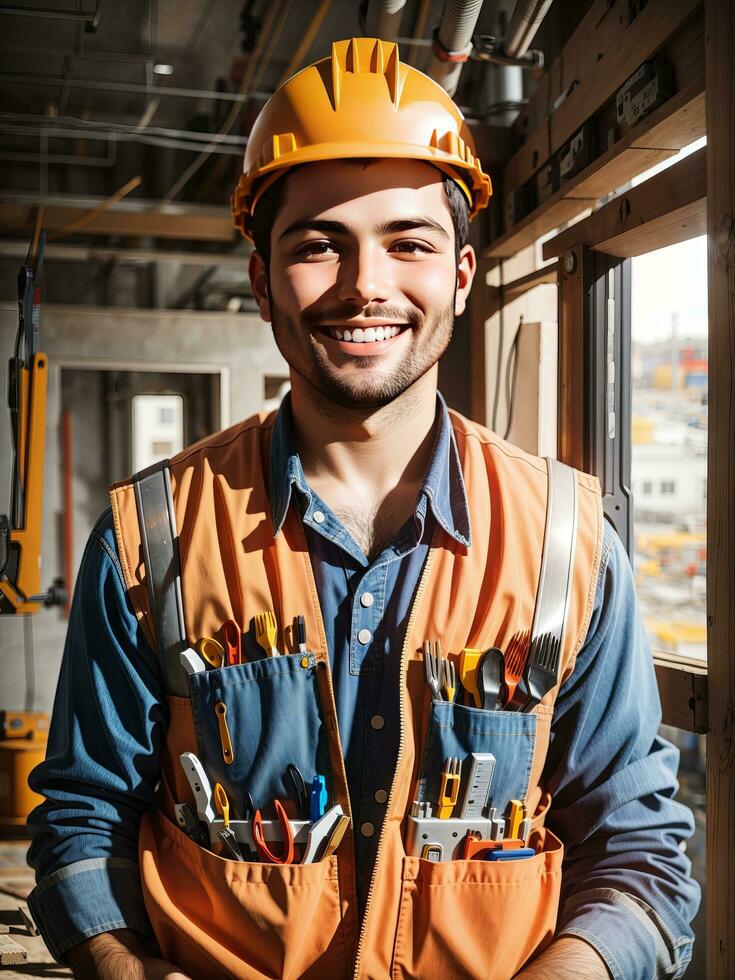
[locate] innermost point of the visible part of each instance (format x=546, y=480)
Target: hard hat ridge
x=360, y=102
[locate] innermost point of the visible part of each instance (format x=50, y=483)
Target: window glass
x=669, y=444
x=158, y=428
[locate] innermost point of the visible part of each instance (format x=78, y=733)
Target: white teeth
x=367, y=335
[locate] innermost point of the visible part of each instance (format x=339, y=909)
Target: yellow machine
x=23, y=736
x=20, y=532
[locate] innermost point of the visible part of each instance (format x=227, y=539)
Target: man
x=385, y=520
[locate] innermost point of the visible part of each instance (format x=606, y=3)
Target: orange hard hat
x=361, y=101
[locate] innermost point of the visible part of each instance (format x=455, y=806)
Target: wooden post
x=720, y=108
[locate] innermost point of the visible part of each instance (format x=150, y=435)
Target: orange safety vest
x=215, y=917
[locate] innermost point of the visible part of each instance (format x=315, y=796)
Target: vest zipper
x=401, y=747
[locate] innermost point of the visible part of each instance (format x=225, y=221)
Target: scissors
x=212, y=651
x=261, y=845
x=232, y=643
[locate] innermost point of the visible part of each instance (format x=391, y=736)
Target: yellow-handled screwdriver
x=449, y=793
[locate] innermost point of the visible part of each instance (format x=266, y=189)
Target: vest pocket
x=219, y=918
x=456, y=730
x=477, y=919
x=252, y=720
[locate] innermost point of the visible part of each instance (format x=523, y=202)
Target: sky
x=670, y=280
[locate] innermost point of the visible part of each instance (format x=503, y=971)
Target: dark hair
x=271, y=202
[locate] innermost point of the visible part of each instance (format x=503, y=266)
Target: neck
x=365, y=451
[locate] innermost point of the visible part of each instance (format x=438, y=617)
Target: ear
x=466, y=268
x=259, y=284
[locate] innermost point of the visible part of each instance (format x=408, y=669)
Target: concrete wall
x=239, y=347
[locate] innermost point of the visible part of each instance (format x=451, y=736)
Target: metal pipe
x=11, y=156
x=130, y=137
x=383, y=18
x=99, y=85
x=454, y=41
x=90, y=18
x=523, y=25
x=92, y=253
x=186, y=134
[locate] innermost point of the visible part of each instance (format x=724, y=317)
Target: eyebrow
x=386, y=228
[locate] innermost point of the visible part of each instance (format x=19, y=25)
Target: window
x=158, y=428
x=669, y=443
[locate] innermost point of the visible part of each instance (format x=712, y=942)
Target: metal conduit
x=454, y=37
x=384, y=18
x=523, y=26
x=54, y=81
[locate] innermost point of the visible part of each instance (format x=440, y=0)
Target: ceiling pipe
x=523, y=25
x=383, y=18
x=453, y=41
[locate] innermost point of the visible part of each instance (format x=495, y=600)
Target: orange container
x=22, y=747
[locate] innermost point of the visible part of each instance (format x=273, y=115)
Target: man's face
x=363, y=283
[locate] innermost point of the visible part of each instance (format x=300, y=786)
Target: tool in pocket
x=515, y=663
x=226, y=834
x=449, y=793
x=232, y=641
x=542, y=668
x=432, y=668
x=261, y=845
x=266, y=632
x=489, y=680
x=212, y=651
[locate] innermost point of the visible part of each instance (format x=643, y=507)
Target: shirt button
x=377, y=722
x=318, y=516
x=380, y=796
x=364, y=636
x=367, y=829
x=367, y=599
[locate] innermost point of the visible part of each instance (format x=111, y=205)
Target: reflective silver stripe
x=557, y=560
x=154, y=503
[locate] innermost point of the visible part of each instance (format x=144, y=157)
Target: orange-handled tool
x=232, y=642
x=287, y=856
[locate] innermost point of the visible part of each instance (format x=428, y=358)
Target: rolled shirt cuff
x=628, y=934
x=86, y=898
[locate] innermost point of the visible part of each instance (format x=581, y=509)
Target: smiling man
x=372, y=521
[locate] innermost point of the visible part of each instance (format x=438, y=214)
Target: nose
x=363, y=277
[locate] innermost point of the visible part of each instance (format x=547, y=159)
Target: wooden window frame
x=695, y=195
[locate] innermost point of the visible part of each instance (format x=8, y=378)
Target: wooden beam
x=650, y=30
x=669, y=207
x=684, y=696
x=658, y=136
x=720, y=66
x=196, y=224
x=507, y=292
x=570, y=398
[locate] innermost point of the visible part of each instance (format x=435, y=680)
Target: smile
x=364, y=335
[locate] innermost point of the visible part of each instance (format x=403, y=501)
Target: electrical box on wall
x=534, y=415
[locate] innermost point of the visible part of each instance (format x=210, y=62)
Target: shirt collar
x=443, y=485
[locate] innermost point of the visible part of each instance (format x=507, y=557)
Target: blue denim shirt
x=626, y=887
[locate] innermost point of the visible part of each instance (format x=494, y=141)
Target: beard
x=369, y=385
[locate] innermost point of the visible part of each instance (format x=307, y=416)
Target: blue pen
x=513, y=854
x=317, y=798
